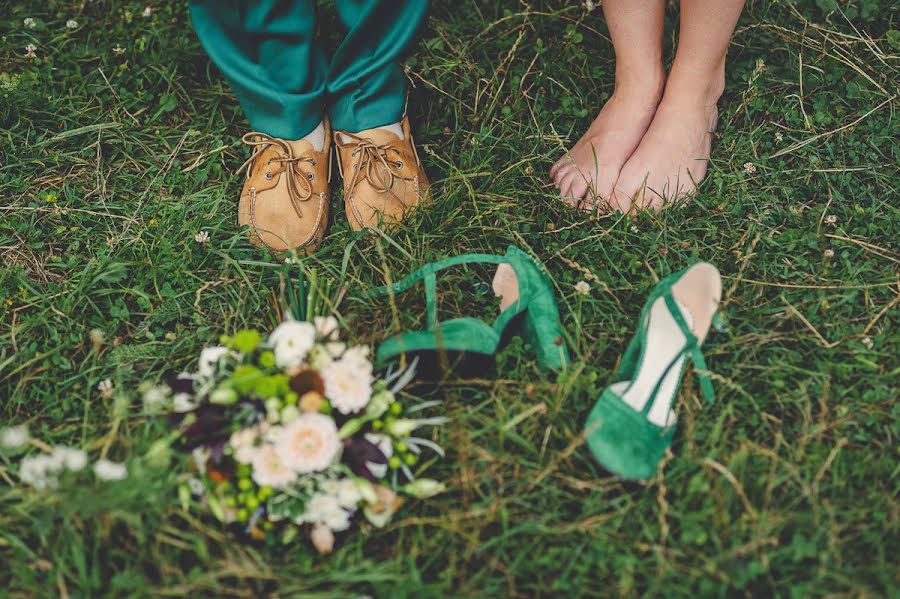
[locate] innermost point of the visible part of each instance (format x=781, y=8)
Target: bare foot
x=590, y=169
x=671, y=158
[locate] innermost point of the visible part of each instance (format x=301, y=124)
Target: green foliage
x=111, y=162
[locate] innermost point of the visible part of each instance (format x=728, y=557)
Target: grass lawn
x=119, y=142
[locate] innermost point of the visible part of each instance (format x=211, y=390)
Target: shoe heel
x=547, y=339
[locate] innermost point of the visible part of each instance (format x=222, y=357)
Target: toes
x=620, y=201
x=560, y=173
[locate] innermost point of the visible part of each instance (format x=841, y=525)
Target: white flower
x=309, y=444
x=348, y=381
x=30, y=51
x=201, y=455
x=202, y=237
x=29, y=23
x=829, y=253
x=147, y=12
x=319, y=357
x=583, y=288
x=867, y=341
x=324, y=508
x=749, y=168
x=209, y=360
x=182, y=402
x=831, y=219
x=14, y=438
x=196, y=486
x=345, y=491
x=71, y=24
x=105, y=387
x=243, y=442
x=322, y=539
x=110, y=471
x=589, y=5
x=156, y=398
x=326, y=327
x=384, y=444
x=778, y=137
x=40, y=471
x=72, y=459
x=291, y=341
x=118, y=50
x=269, y=470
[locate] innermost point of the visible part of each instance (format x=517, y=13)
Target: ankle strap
x=692, y=347
x=427, y=275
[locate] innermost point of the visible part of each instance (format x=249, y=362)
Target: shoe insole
x=664, y=342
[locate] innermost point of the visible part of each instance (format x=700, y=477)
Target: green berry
x=267, y=359
x=396, y=408
x=389, y=421
x=291, y=398
x=377, y=425
x=264, y=493
x=244, y=484
x=242, y=515
x=230, y=501
x=394, y=462
x=410, y=459
x=243, y=470
x=252, y=503
x=401, y=447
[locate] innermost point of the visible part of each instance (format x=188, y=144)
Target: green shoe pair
x=632, y=424
x=524, y=291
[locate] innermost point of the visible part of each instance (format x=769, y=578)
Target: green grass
x=786, y=486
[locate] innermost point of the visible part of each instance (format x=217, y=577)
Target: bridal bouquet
x=293, y=432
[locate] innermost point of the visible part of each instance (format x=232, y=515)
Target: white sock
x=316, y=137
x=394, y=128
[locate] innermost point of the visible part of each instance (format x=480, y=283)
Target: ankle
x=698, y=88
x=640, y=84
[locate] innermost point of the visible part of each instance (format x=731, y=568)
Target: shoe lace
x=370, y=156
x=299, y=185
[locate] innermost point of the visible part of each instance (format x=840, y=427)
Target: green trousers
x=285, y=82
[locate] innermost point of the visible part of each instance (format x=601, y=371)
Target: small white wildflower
x=105, y=387
x=749, y=168
x=40, y=472
x=110, y=471
x=202, y=237
x=29, y=23
x=30, y=51
x=147, y=12
x=831, y=219
x=196, y=486
x=71, y=24
x=583, y=288
x=210, y=358
x=589, y=5
x=289, y=260
x=778, y=137
x=72, y=459
x=829, y=253
x=118, y=50
x=867, y=341
x=156, y=398
x=13, y=438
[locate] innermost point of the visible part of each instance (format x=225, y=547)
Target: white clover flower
x=105, y=387
x=30, y=51
x=308, y=444
x=269, y=470
x=384, y=444
x=14, y=438
x=108, y=470
x=326, y=327
x=867, y=341
x=40, y=471
x=322, y=539
x=147, y=12
x=118, y=50
x=829, y=253
x=778, y=137
x=202, y=237
x=210, y=357
x=831, y=219
x=583, y=288
x=71, y=24
x=749, y=168
x=348, y=381
x=29, y=23
x=70, y=458
x=243, y=442
x=195, y=485
x=590, y=5
x=291, y=340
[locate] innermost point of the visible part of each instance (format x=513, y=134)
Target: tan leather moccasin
x=383, y=177
x=285, y=197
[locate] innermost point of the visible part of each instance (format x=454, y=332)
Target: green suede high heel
x=632, y=424
x=522, y=287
